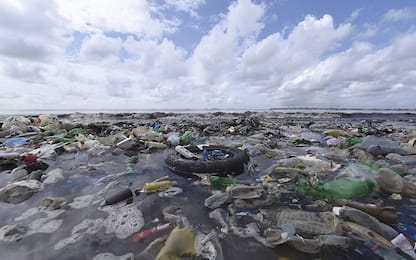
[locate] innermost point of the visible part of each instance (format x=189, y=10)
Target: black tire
x=232, y=165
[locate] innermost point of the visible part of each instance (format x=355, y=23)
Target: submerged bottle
x=222, y=182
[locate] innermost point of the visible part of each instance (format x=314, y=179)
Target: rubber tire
x=233, y=165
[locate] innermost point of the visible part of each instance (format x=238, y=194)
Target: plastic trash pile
x=316, y=186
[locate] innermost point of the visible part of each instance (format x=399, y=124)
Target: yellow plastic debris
x=335, y=132
x=267, y=178
x=157, y=186
x=180, y=243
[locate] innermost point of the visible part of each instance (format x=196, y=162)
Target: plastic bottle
x=118, y=196
x=353, y=141
x=185, y=152
x=158, y=185
x=6, y=155
x=158, y=230
x=401, y=242
x=173, y=139
x=126, y=143
x=155, y=145
x=36, y=175
x=205, y=155
x=185, y=138
x=345, y=188
x=75, y=131
x=222, y=182
x=403, y=159
x=362, y=218
x=383, y=252
x=386, y=215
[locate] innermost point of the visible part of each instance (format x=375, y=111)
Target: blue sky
x=128, y=54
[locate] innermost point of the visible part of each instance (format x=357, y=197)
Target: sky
x=243, y=54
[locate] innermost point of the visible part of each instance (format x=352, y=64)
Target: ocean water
x=198, y=111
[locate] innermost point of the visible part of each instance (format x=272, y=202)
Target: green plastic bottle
x=75, y=131
x=343, y=188
x=374, y=166
x=185, y=138
x=222, y=182
x=352, y=141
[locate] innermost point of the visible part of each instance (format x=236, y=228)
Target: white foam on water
x=123, y=220
x=41, y=225
x=28, y=213
x=87, y=226
x=82, y=201
x=12, y=232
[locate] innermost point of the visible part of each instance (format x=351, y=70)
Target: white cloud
x=395, y=15
x=156, y=59
x=270, y=62
x=101, y=48
x=216, y=55
x=187, y=6
x=354, y=15
x=358, y=74
x=370, y=30
x=126, y=59
x=127, y=16
x=31, y=31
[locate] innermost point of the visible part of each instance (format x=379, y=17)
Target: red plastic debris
x=31, y=158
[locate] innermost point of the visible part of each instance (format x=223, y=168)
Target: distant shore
x=208, y=110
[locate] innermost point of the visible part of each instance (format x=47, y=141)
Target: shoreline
x=7, y=112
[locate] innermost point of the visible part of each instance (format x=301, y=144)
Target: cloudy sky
x=145, y=54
